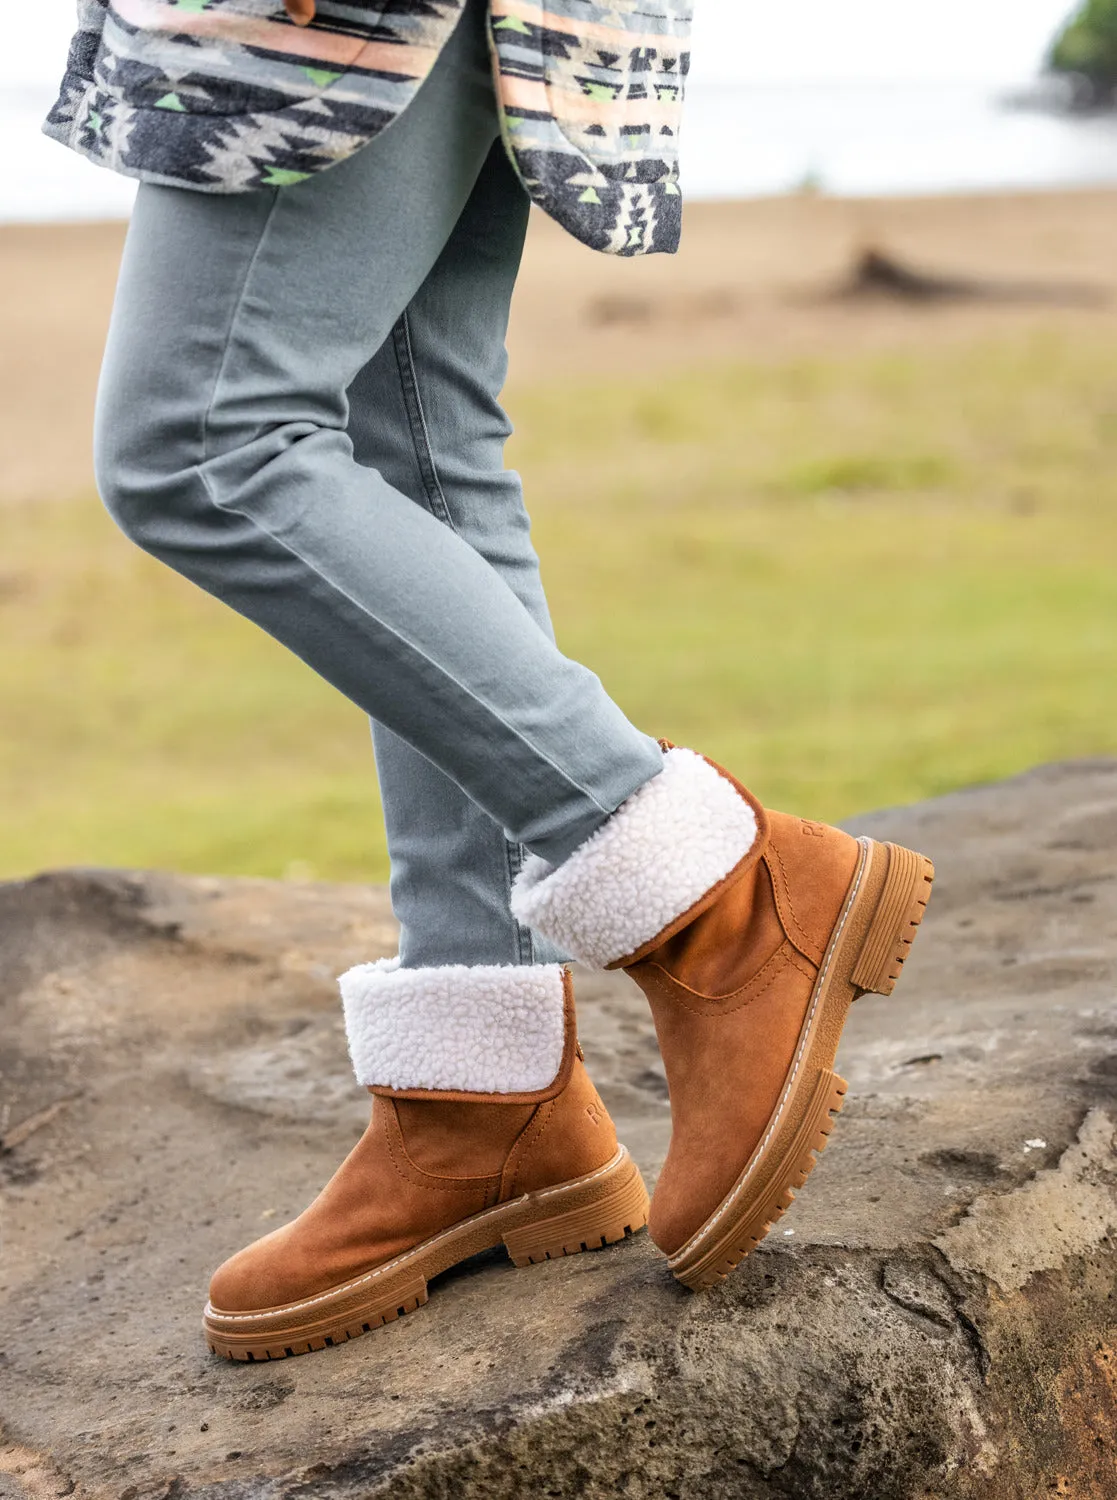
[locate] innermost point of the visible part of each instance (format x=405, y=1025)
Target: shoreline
x=756, y=280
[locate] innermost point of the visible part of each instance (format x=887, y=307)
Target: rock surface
x=934, y=1318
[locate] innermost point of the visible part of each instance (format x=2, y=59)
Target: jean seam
x=417, y=421
x=525, y=942
x=440, y=507
x=234, y=319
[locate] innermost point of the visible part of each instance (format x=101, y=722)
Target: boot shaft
x=505, y=1149
x=790, y=896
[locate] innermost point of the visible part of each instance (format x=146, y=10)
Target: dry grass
x=861, y=578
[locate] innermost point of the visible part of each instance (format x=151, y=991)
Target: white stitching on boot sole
x=421, y=1249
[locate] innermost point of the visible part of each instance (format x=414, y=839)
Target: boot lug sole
x=884, y=906
x=586, y=1213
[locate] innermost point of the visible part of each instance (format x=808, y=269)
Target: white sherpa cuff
x=660, y=852
x=499, y=1029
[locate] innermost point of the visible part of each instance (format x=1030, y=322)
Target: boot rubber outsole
x=883, y=908
x=584, y=1214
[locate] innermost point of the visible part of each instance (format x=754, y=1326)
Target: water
x=874, y=138
x=740, y=140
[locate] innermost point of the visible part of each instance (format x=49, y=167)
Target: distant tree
x=1087, y=47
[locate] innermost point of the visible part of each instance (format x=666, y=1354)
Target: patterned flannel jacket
x=227, y=95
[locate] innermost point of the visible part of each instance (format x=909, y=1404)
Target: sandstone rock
x=934, y=1318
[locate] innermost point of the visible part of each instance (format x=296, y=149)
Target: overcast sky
x=746, y=39
x=874, y=38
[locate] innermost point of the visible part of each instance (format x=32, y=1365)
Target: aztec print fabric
x=225, y=96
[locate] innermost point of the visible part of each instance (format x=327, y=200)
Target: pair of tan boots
x=749, y=932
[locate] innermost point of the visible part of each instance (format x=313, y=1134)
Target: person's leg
x=426, y=414
x=222, y=448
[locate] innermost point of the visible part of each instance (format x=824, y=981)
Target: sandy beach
x=755, y=281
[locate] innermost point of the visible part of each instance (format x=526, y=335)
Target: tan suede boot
x=750, y=933
x=485, y=1130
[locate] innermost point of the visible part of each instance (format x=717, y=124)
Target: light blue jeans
x=299, y=411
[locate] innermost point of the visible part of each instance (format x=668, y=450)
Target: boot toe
x=669, y=1227
x=694, y=1181
x=254, y=1278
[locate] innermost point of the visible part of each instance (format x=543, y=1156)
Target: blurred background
x=831, y=495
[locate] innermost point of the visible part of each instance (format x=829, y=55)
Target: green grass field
x=858, y=580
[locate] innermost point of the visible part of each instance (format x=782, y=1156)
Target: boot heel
x=617, y=1208
x=899, y=911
